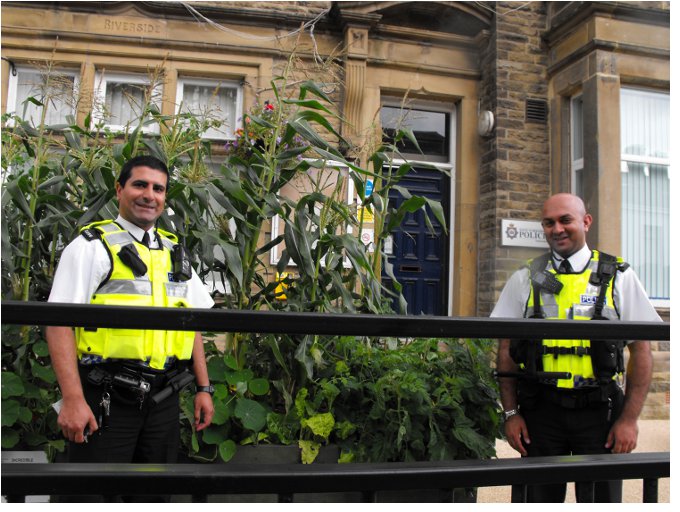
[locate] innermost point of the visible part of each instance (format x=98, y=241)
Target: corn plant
x=57, y=179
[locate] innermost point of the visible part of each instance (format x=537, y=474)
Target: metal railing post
x=518, y=493
x=650, y=490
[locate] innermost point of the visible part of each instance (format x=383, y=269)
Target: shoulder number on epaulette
x=91, y=234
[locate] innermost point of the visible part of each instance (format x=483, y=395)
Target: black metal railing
x=367, y=479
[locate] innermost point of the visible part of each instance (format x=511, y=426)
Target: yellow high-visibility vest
x=155, y=288
x=575, y=301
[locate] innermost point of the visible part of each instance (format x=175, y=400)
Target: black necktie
x=146, y=239
x=565, y=267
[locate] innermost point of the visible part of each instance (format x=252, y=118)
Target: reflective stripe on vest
x=575, y=301
x=124, y=288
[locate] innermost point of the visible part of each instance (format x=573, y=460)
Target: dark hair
x=141, y=161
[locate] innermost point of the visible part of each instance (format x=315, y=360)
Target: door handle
x=410, y=268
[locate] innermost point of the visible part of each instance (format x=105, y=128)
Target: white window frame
x=576, y=163
x=13, y=86
x=103, y=78
x=227, y=133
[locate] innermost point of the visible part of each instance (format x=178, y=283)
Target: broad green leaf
x=258, y=387
x=10, y=438
x=309, y=451
x=313, y=87
x=55, y=180
x=260, y=121
x=216, y=369
x=40, y=349
x=320, y=424
x=222, y=413
x=10, y=412
x=25, y=415
x=11, y=385
x=45, y=373
x=252, y=415
x=34, y=438
x=19, y=198
x=230, y=361
x=237, y=376
x=214, y=434
x=227, y=450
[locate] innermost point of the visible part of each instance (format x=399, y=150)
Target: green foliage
x=422, y=400
x=28, y=391
x=290, y=389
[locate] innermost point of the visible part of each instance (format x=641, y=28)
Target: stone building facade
x=525, y=63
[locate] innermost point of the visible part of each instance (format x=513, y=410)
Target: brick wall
x=515, y=164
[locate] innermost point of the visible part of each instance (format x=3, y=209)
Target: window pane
x=645, y=139
x=646, y=231
x=57, y=95
x=123, y=102
x=645, y=123
x=577, y=128
x=430, y=130
x=212, y=102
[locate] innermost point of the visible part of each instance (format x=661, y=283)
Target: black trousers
x=149, y=434
x=557, y=430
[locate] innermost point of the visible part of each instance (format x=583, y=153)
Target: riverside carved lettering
x=113, y=25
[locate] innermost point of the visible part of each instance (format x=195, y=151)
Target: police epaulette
x=623, y=266
x=91, y=234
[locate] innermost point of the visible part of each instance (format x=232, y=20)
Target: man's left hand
x=623, y=436
x=203, y=410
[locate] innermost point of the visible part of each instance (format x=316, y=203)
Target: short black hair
x=141, y=161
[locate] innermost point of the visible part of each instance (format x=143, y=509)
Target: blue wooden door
x=419, y=256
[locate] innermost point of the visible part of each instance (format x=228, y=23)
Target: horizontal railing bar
x=197, y=479
x=229, y=320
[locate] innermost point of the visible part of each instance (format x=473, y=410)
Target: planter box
x=27, y=457
x=277, y=454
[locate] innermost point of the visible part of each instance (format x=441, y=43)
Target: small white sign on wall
x=367, y=236
x=522, y=233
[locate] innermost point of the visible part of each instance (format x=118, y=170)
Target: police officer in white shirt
x=127, y=261
x=585, y=413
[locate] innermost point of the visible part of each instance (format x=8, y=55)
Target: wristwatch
x=509, y=414
x=206, y=389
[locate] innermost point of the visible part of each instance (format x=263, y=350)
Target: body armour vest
x=136, y=286
x=575, y=301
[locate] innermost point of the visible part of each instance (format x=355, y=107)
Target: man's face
x=142, y=199
x=565, y=224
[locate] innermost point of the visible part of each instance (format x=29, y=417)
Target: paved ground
x=654, y=437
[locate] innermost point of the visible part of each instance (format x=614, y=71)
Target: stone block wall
x=515, y=163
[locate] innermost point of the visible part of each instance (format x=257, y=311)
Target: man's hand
x=203, y=410
x=623, y=436
x=75, y=416
x=516, y=431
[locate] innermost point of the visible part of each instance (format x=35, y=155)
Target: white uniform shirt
x=84, y=265
x=629, y=295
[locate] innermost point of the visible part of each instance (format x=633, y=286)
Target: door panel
x=420, y=258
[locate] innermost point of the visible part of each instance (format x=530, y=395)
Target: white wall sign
x=367, y=236
x=522, y=233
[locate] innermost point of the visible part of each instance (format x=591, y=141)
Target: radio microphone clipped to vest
x=128, y=254
x=547, y=281
x=181, y=264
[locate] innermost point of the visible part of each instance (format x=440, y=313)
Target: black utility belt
x=579, y=398
x=130, y=379
x=129, y=374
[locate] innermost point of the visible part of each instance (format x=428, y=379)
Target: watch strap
x=206, y=389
